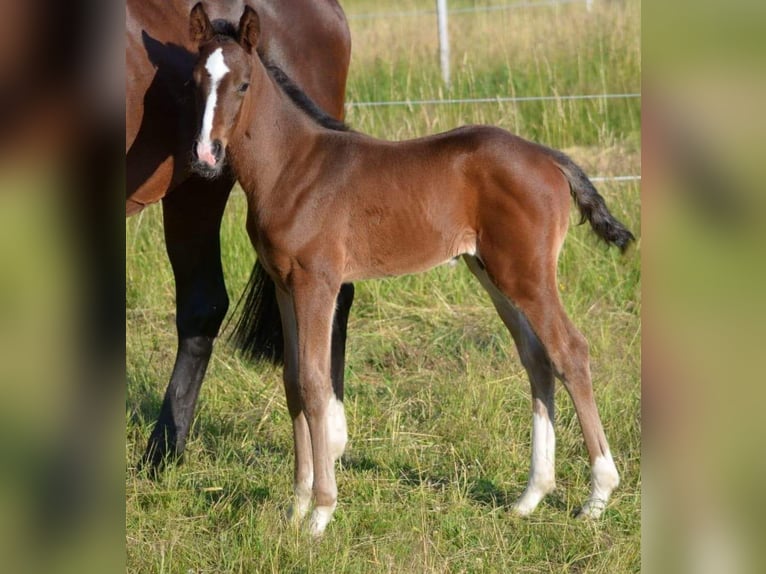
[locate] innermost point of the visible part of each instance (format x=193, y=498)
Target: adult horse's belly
x=158, y=60
x=152, y=189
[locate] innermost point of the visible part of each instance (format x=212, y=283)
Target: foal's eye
x=243, y=87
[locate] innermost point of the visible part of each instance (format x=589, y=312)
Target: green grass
x=437, y=403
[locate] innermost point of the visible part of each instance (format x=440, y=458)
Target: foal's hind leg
x=542, y=479
x=533, y=291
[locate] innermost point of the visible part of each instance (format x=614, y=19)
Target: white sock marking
x=320, y=518
x=301, y=500
x=217, y=69
x=337, y=434
x=604, y=479
x=542, y=473
x=543, y=451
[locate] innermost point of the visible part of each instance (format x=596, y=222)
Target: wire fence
x=496, y=99
x=511, y=99
x=492, y=100
x=615, y=178
x=464, y=10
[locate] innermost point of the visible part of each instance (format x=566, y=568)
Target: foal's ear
x=249, y=29
x=200, y=28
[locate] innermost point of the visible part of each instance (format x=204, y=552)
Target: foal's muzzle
x=207, y=158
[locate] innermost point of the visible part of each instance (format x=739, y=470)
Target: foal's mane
x=300, y=99
x=288, y=86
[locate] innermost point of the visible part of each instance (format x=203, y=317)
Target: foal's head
x=222, y=78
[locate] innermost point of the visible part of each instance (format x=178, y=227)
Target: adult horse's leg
x=192, y=220
x=339, y=330
x=542, y=477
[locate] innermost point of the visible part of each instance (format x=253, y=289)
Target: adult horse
x=309, y=39
x=327, y=206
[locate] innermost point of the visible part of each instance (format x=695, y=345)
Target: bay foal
x=310, y=38
x=329, y=206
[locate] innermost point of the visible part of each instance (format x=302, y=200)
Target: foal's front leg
x=313, y=304
x=303, y=474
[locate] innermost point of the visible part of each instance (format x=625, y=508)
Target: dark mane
x=291, y=89
x=300, y=99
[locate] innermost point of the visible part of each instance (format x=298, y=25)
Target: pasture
x=437, y=402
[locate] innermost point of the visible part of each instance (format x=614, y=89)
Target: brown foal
x=329, y=206
x=310, y=38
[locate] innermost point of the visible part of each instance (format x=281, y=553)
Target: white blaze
x=217, y=69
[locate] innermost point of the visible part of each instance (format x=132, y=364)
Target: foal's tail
x=591, y=204
x=258, y=332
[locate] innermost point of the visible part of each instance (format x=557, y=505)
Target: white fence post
x=441, y=18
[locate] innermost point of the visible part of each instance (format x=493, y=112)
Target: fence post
x=441, y=18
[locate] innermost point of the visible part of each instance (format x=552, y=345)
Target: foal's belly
x=407, y=254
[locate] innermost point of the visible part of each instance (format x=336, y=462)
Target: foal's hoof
x=531, y=498
x=320, y=518
x=297, y=512
x=591, y=510
x=520, y=508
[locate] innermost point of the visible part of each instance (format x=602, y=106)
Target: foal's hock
x=329, y=206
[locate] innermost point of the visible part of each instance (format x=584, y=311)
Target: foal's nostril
x=217, y=149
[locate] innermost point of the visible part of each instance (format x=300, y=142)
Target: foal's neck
x=273, y=135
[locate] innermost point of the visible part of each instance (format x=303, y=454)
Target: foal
x=329, y=206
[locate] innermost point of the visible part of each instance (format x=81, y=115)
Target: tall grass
x=543, y=51
x=437, y=403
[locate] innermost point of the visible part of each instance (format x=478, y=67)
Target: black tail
x=258, y=332
x=591, y=204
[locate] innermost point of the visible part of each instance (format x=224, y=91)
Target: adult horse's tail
x=258, y=331
x=591, y=205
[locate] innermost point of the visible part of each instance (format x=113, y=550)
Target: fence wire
x=464, y=10
x=496, y=99
x=493, y=100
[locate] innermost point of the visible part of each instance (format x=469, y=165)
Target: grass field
x=437, y=403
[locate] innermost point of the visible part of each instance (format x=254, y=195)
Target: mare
x=309, y=39
x=327, y=206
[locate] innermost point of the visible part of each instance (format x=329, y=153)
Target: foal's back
x=404, y=207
